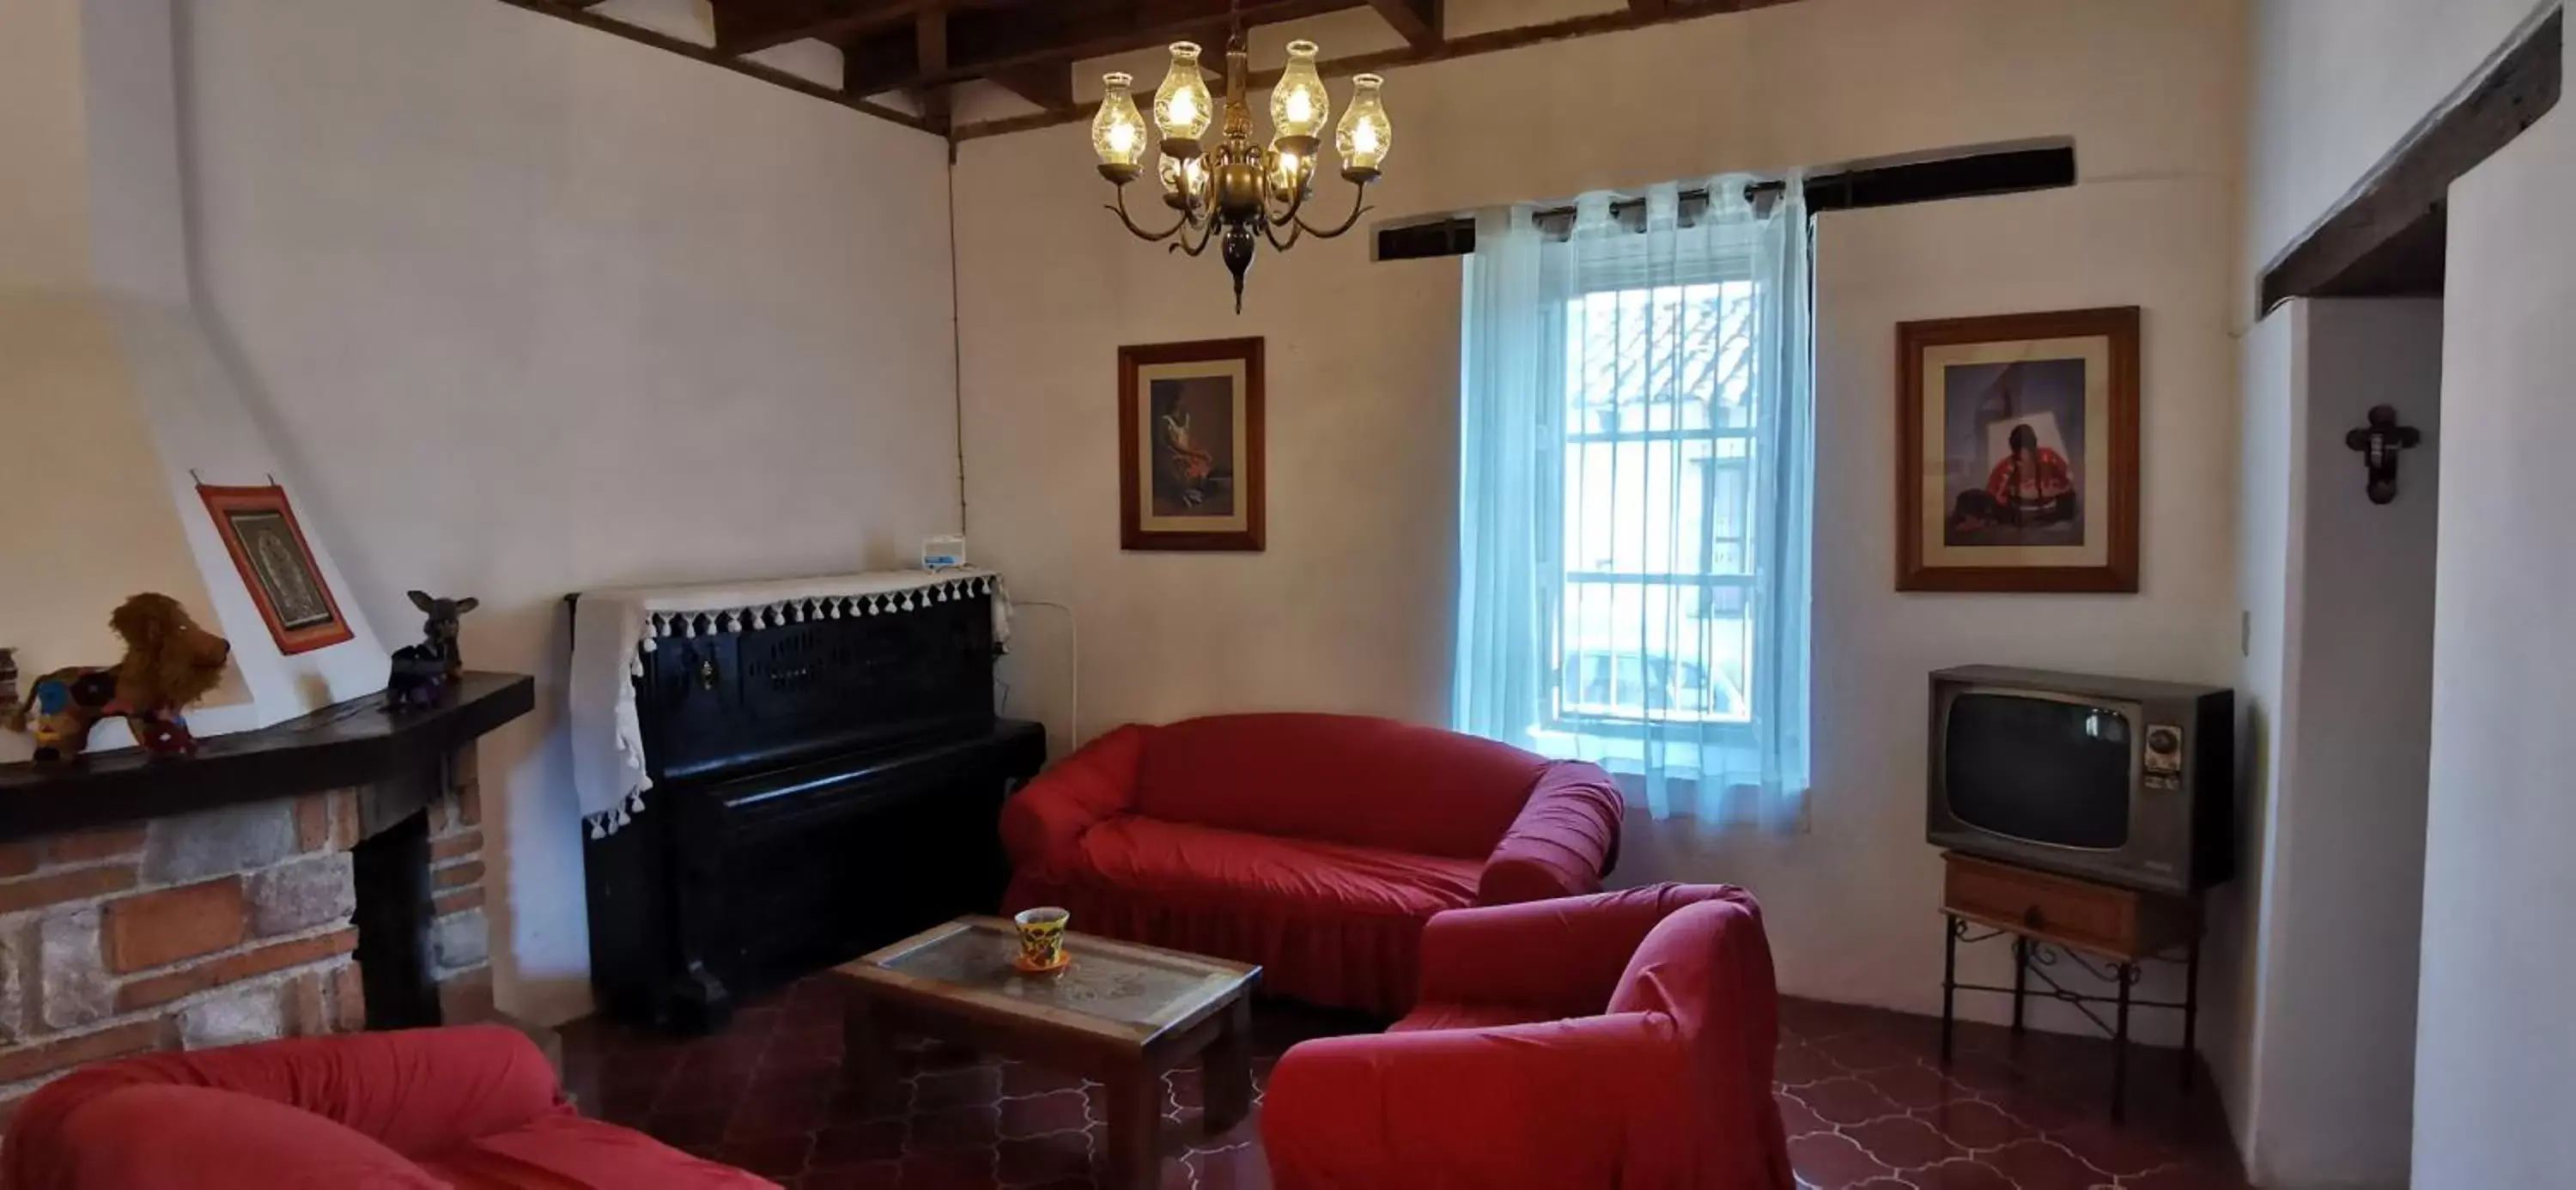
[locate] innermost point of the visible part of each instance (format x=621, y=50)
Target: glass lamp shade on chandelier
x=1238, y=192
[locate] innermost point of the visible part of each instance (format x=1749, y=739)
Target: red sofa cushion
x=562, y=1151
x=475, y=1107
x=150, y=1137
x=415, y=1091
x=1432, y=1017
x=1337, y=779
x=1200, y=863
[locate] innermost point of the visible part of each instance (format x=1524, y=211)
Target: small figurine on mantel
x=169, y=663
x=424, y=672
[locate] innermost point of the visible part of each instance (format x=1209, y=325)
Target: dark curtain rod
x=2009, y=171
x=1693, y=203
x=1954, y=177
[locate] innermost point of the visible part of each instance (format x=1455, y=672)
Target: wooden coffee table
x=1122, y=1014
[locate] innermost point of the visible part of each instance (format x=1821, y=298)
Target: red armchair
x=474, y=1108
x=1314, y=845
x=1620, y=1040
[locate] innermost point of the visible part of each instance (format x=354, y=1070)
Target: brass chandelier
x=1238, y=192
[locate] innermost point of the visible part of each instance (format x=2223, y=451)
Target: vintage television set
x=2113, y=779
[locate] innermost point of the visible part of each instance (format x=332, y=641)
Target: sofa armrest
x=1561, y=844
x=415, y=1091
x=1561, y=956
x=1049, y=815
x=1563, y=1103
x=142, y=1135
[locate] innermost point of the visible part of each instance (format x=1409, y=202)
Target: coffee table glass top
x=1112, y=988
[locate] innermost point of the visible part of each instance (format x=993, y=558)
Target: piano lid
x=616, y=629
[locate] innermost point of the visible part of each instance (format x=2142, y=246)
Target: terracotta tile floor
x=1866, y=1105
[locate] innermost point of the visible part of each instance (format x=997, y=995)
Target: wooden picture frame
x=277, y=565
x=1191, y=460
x=2017, y=453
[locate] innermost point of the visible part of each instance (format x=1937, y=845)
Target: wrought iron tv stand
x=2054, y=920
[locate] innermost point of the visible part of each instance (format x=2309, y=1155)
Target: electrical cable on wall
x=957, y=343
x=1073, y=670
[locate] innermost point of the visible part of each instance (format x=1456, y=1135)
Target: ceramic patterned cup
x=1042, y=936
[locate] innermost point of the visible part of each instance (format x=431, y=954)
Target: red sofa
x=1621, y=1040
x=475, y=1108
x=1314, y=845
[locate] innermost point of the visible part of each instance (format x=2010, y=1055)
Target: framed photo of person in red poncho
x=2017, y=458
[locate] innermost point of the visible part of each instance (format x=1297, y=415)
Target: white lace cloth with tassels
x=614, y=629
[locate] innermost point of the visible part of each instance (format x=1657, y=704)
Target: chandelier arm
x=1296, y=206
x=1271, y=230
x=1359, y=207
x=1207, y=231
x=1151, y=237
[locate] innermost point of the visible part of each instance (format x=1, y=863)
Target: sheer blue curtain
x=1636, y=492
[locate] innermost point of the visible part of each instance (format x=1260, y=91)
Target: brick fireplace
x=323, y=875
x=230, y=925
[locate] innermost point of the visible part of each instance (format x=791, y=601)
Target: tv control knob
x=2165, y=740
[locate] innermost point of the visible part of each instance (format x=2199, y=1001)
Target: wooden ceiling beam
x=750, y=26
x=1469, y=46
x=1026, y=46
x=930, y=50
x=867, y=61
x=584, y=17
x=1416, y=21
x=983, y=42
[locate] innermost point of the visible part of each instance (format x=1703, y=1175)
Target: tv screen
x=2039, y=769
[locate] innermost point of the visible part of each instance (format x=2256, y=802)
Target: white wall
x=2337, y=84
x=530, y=309
x=123, y=404
x=44, y=212
x=2268, y=473
x=2338, y=688
x=2349, y=856
x=2495, y=1045
x=1350, y=608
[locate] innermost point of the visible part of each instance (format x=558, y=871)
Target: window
x=1635, y=494
x=1649, y=616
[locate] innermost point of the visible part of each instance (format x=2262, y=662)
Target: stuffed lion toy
x=169, y=663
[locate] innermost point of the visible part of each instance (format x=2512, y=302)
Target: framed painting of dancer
x=1190, y=462
x=2017, y=453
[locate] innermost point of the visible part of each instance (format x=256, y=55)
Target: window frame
x=1615, y=273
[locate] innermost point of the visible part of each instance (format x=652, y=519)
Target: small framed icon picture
x=277, y=564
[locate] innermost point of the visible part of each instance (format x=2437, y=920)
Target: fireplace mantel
x=346, y=744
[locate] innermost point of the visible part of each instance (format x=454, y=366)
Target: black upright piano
x=820, y=788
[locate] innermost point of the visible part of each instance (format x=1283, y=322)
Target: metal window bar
x=1657, y=370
